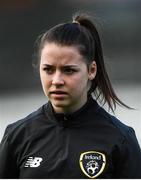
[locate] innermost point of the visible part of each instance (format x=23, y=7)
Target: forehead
x=54, y=53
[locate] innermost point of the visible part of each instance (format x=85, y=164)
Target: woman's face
x=65, y=77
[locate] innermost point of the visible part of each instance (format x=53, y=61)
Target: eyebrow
x=68, y=65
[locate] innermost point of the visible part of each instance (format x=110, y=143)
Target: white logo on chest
x=33, y=162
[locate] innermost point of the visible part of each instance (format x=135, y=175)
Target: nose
x=57, y=79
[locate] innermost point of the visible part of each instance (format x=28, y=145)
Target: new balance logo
x=33, y=162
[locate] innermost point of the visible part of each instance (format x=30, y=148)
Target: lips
x=58, y=95
x=58, y=92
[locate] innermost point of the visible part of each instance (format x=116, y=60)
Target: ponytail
x=101, y=85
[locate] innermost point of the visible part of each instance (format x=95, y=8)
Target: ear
x=92, y=70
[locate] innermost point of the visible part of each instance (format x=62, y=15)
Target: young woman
x=71, y=136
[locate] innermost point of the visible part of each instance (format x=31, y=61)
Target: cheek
x=44, y=81
x=42, y=78
x=78, y=83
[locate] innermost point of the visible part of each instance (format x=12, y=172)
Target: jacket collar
x=71, y=119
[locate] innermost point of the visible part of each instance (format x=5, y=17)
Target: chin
x=60, y=104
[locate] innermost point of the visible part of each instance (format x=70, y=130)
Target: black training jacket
x=89, y=143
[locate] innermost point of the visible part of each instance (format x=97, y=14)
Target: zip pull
x=65, y=121
x=65, y=118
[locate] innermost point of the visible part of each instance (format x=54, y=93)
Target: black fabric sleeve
x=8, y=167
x=129, y=166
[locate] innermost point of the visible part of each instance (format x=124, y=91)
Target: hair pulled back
x=83, y=34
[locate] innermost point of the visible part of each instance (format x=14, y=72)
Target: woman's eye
x=48, y=70
x=69, y=71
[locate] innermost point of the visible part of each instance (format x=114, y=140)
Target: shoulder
x=29, y=123
x=104, y=119
x=116, y=124
x=122, y=136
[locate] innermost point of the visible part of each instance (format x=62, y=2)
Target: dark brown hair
x=83, y=34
